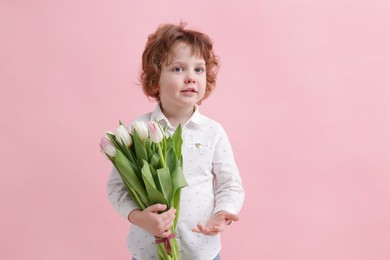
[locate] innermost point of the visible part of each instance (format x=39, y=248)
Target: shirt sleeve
x=229, y=192
x=118, y=195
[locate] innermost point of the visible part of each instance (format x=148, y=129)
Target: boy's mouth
x=189, y=90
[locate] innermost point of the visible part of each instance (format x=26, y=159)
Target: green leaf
x=164, y=176
x=163, y=143
x=170, y=143
x=111, y=136
x=155, y=161
x=140, y=151
x=148, y=148
x=130, y=156
x=154, y=148
x=134, y=194
x=155, y=177
x=171, y=159
x=154, y=195
x=178, y=180
x=127, y=151
x=178, y=141
x=176, y=204
x=126, y=171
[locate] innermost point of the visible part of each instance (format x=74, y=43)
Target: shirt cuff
x=226, y=207
x=126, y=209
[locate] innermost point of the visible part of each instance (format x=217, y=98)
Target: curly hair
x=159, y=49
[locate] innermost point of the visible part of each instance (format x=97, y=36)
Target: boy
x=179, y=71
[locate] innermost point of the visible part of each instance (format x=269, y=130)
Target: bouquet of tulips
x=151, y=166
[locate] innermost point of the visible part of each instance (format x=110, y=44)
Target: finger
x=167, y=219
x=167, y=224
x=168, y=216
x=156, y=208
x=210, y=231
x=165, y=234
x=196, y=230
x=169, y=213
x=232, y=217
x=200, y=228
x=207, y=230
x=204, y=230
x=172, y=211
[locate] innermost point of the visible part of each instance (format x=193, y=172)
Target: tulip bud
x=109, y=133
x=155, y=132
x=107, y=147
x=122, y=135
x=141, y=128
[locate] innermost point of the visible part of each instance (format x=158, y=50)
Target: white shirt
x=208, y=157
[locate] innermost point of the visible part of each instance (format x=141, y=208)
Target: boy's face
x=182, y=83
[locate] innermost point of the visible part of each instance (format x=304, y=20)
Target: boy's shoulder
x=209, y=121
x=212, y=126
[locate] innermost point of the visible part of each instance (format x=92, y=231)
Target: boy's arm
x=153, y=220
x=229, y=193
x=118, y=195
x=150, y=219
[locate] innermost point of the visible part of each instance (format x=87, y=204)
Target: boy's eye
x=177, y=69
x=200, y=69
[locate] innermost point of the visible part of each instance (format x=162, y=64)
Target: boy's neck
x=177, y=116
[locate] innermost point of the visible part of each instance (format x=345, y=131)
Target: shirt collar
x=159, y=116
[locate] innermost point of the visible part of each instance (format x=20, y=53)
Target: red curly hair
x=159, y=49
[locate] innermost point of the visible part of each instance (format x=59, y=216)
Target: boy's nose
x=189, y=81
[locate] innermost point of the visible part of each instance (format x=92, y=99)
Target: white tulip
x=141, y=128
x=107, y=147
x=122, y=135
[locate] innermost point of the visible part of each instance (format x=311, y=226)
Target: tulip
x=107, y=147
x=122, y=135
x=155, y=132
x=141, y=128
x=109, y=133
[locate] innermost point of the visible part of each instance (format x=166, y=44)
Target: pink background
x=303, y=93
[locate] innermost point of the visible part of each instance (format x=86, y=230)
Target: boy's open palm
x=152, y=221
x=216, y=223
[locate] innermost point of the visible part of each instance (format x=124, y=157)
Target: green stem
x=162, y=159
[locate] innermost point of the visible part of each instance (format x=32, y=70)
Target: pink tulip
x=155, y=132
x=107, y=147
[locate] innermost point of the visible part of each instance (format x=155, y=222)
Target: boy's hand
x=216, y=223
x=149, y=219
